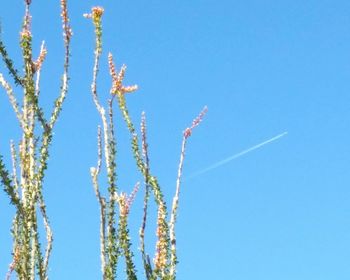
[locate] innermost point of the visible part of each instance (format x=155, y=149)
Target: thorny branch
x=165, y=259
x=24, y=186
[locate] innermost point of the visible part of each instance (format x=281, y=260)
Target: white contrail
x=235, y=156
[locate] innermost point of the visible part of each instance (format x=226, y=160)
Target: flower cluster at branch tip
x=41, y=58
x=125, y=201
x=132, y=196
x=96, y=13
x=65, y=21
x=117, y=78
x=195, y=122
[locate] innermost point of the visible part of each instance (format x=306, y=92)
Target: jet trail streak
x=235, y=156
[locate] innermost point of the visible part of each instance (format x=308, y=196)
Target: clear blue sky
x=262, y=68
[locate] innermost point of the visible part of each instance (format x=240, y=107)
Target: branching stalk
x=24, y=186
x=115, y=241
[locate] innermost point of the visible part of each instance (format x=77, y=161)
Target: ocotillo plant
x=114, y=210
x=24, y=183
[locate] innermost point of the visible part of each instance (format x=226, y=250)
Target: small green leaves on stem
x=9, y=188
x=9, y=64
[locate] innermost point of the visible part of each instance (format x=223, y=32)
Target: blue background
x=262, y=68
